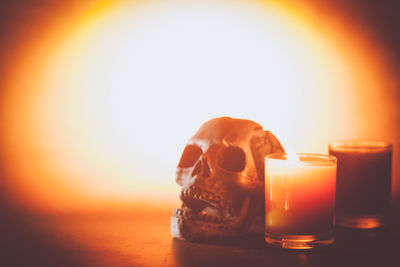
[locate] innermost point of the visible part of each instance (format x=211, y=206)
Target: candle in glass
x=300, y=200
x=363, y=182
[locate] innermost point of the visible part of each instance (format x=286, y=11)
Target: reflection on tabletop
x=143, y=239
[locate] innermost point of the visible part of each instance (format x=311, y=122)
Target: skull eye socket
x=233, y=159
x=190, y=155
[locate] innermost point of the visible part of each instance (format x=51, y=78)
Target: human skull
x=221, y=172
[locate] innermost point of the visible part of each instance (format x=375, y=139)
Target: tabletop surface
x=143, y=239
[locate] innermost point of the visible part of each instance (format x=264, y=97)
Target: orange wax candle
x=300, y=195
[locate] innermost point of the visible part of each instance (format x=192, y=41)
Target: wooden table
x=143, y=239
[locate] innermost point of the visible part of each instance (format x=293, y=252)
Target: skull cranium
x=221, y=172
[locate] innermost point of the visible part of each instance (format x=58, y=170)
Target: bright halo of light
x=116, y=102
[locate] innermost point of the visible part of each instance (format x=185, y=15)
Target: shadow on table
x=23, y=244
x=352, y=248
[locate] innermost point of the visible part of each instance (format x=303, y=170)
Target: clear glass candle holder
x=300, y=200
x=363, y=182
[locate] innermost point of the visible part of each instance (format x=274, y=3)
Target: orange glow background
x=97, y=103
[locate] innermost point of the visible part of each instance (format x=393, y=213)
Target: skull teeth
x=178, y=212
x=203, y=216
x=209, y=197
x=216, y=219
x=204, y=206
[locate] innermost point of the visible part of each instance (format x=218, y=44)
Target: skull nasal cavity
x=206, y=169
x=233, y=159
x=202, y=168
